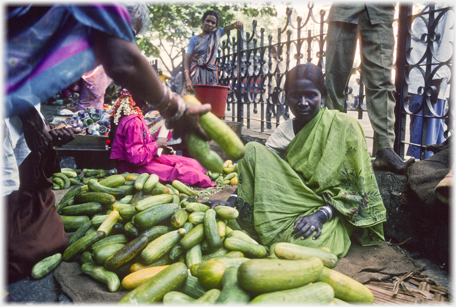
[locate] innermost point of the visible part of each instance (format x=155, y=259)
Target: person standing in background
x=373, y=23
x=442, y=50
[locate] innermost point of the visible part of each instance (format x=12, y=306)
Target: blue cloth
x=50, y=47
x=435, y=128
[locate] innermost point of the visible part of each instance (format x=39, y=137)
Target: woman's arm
x=187, y=64
x=125, y=64
x=234, y=25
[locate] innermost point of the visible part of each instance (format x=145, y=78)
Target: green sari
x=327, y=162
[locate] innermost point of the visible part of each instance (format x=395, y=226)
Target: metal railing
x=254, y=66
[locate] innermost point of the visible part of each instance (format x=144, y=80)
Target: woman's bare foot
x=387, y=160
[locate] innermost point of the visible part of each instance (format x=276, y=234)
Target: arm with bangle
x=307, y=224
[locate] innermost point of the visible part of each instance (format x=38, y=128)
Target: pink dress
x=134, y=148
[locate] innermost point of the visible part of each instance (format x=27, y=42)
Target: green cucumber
x=95, y=186
x=81, y=245
x=150, y=184
x=211, y=231
x=154, y=289
x=160, y=246
x=99, y=273
x=193, y=237
x=231, y=292
x=293, y=251
x=250, y=249
x=80, y=232
x=46, y=265
x=154, y=215
x=100, y=254
x=153, y=200
x=315, y=294
x=101, y=197
x=127, y=253
x=140, y=181
x=112, y=181
x=90, y=208
x=113, y=239
x=72, y=223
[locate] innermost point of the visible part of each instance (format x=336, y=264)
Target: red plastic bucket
x=215, y=95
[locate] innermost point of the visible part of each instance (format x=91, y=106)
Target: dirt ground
x=380, y=267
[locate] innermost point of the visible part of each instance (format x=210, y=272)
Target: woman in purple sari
x=199, y=63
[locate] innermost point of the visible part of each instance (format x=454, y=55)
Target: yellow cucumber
x=346, y=288
x=155, y=288
x=137, y=278
x=109, y=222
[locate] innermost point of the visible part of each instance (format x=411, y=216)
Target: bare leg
x=388, y=160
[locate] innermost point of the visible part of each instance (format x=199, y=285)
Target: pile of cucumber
x=156, y=240
x=228, y=176
x=68, y=177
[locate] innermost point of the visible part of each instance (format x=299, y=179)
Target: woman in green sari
x=312, y=184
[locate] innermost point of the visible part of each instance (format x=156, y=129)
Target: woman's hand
x=189, y=122
x=161, y=142
x=189, y=84
x=307, y=224
x=238, y=25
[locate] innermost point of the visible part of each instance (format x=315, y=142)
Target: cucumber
x=64, y=178
x=193, y=237
x=177, y=298
x=194, y=255
x=97, y=220
x=112, y=181
x=137, y=197
x=100, y=197
x=179, y=218
x=72, y=223
x=241, y=235
x=90, y=208
x=196, y=207
x=113, y=239
x=154, y=200
x=346, y=288
x=220, y=132
x=293, y=251
x=250, y=249
x=99, y=273
x=196, y=217
x=160, y=189
x=140, y=181
x=160, y=246
x=192, y=287
x=75, y=182
x=150, y=184
x=80, y=232
x=135, y=279
x=315, y=294
x=173, y=189
x=210, y=297
x=221, y=225
x=268, y=275
x=46, y=265
x=59, y=182
x=86, y=257
x=210, y=274
x=130, y=230
x=211, y=231
x=233, y=224
x=127, y=213
x=175, y=252
x=94, y=186
x=129, y=189
x=154, y=215
x=127, y=253
x=100, y=254
x=109, y=222
x=155, y=288
x=231, y=292
x=69, y=195
x=81, y=245
x=222, y=251
x=226, y=212
x=126, y=200
x=183, y=188
x=199, y=149
x=155, y=231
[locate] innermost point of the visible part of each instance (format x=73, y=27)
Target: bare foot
x=388, y=160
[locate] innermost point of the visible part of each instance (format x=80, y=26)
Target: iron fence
x=254, y=66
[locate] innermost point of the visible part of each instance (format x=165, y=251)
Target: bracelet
x=327, y=210
x=165, y=92
x=181, y=109
x=185, y=70
x=233, y=195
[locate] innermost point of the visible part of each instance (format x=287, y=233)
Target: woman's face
x=209, y=23
x=304, y=100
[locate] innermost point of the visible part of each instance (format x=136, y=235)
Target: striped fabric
x=50, y=47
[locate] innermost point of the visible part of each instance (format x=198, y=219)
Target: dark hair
x=307, y=71
x=210, y=13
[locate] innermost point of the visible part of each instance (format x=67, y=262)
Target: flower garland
x=124, y=106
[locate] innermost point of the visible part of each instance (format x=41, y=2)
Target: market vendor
x=199, y=62
x=312, y=184
x=135, y=149
x=65, y=41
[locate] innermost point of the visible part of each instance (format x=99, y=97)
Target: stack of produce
x=68, y=177
x=159, y=242
x=228, y=176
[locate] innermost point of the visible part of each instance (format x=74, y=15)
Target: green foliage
x=172, y=25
